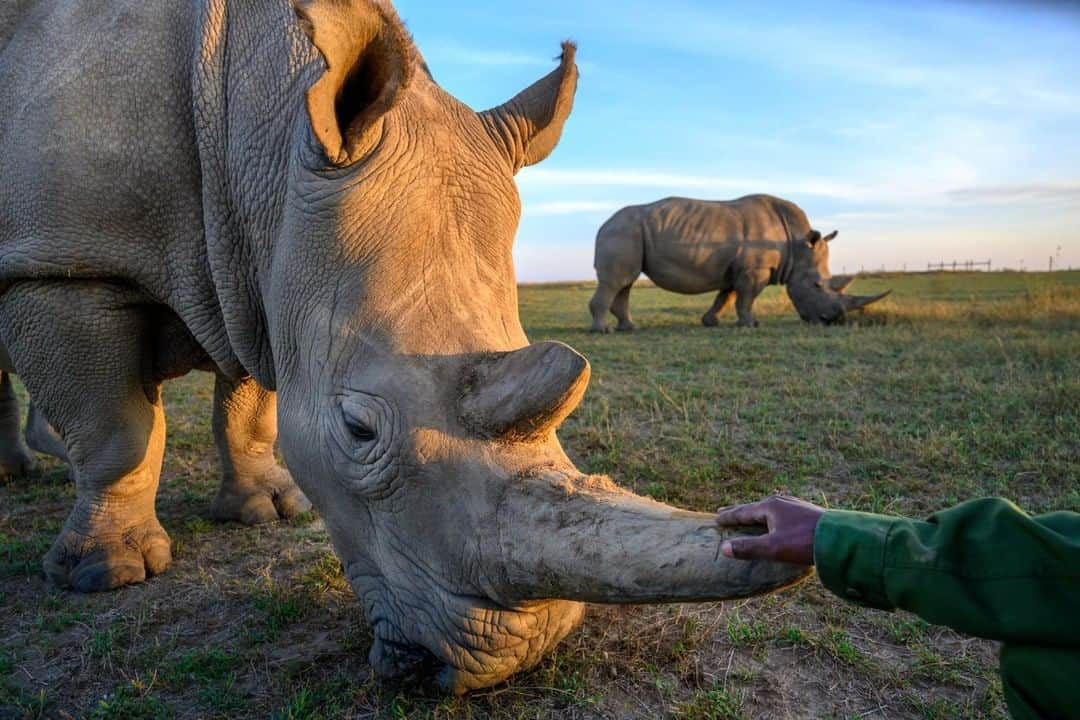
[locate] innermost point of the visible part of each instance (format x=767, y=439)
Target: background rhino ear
x=369, y=61
x=831, y=236
x=529, y=126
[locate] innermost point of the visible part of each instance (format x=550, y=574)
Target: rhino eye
x=359, y=431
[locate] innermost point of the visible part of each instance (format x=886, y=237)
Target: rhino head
x=818, y=297
x=412, y=409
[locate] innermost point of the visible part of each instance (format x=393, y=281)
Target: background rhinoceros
x=282, y=194
x=736, y=247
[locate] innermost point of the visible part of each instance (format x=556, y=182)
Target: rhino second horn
x=841, y=283
x=524, y=394
x=854, y=302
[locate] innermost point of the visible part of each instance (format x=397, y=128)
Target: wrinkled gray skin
x=286, y=197
x=735, y=247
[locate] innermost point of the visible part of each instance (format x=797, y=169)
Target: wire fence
x=966, y=265
x=962, y=266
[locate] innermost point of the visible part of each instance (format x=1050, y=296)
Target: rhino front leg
x=87, y=371
x=42, y=437
x=254, y=488
x=724, y=300
x=15, y=459
x=747, y=288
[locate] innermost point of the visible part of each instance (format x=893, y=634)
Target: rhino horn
x=369, y=60
x=524, y=394
x=529, y=125
x=583, y=538
x=840, y=283
x=855, y=302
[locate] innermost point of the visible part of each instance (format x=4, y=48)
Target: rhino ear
x=831, y=236
x=528, y=127
x=369, y=60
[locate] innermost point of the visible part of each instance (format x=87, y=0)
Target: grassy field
x=957, y=385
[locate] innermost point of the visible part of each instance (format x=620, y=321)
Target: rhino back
x=96, y=145
x=100, y=153
x=694, y=246
x=11, y=14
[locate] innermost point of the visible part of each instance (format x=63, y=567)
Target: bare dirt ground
x=956, y=386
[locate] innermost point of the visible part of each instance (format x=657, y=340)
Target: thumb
x=746, y=548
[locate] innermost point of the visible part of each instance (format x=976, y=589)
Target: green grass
x=957, y=385
x=714, y=703
x=132, y=701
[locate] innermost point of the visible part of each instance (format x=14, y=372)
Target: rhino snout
x=424, y=632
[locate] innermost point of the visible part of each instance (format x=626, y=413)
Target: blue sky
x=923, y=131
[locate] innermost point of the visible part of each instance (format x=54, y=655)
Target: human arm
x=984, y=567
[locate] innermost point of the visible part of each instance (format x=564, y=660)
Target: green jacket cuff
x=849, y=552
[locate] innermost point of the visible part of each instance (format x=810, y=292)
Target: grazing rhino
x=736, y=247
x=280, y=193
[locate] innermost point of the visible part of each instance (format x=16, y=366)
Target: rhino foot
x=748, y=324
x=271, y=497
x=710, y=321
x=603, y=330
x=625, y=327
x=107, y=559
x=16, y=462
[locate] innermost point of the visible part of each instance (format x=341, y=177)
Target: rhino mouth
x=458, y=642
x=838, y=319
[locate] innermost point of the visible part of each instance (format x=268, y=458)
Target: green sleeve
x=984, y=567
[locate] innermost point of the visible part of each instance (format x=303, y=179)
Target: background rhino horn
x=525, y=394
x=854, y=302
x=840, y=283
x=530, y=124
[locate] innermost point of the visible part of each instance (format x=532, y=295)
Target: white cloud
x=456, y=54
x=439, y=54
x=674, y=182
x=1068, y=192
x=907, y=187
x=568, y=207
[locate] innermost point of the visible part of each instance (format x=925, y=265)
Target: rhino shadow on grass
x=282, y=194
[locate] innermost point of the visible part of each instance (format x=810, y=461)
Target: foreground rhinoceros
x=286, y=197
x=736, y=247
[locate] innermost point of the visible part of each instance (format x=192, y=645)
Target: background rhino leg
x=747, y=288
x=42, y=437
x=621, y=309
x=620, y=253
x=599, y=307
x=724, y=300
x=254, y=488
x=15, y=459
x=87, y=372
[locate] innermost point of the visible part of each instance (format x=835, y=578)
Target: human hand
x=791, y=522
